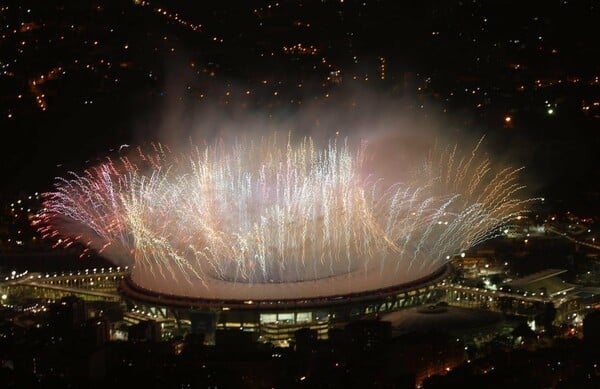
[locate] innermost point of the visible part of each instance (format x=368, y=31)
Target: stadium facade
x=276, y=320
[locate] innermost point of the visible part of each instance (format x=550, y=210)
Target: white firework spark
x=278, y=211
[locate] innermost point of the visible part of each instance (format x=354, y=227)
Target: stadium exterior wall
x=277, y=320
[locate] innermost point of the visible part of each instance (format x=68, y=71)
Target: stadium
x=276, y=233
x=276, y=320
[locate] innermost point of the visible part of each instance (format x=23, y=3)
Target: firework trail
x=279, y=211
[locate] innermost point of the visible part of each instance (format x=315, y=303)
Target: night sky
x=80, y=80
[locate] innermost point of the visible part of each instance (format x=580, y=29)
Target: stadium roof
x=546, y=281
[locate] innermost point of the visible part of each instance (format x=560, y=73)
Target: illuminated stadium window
x=285, y=317
x=302, y=317
x=268, y=318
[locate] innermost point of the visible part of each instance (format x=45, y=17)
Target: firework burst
x=277, y=212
